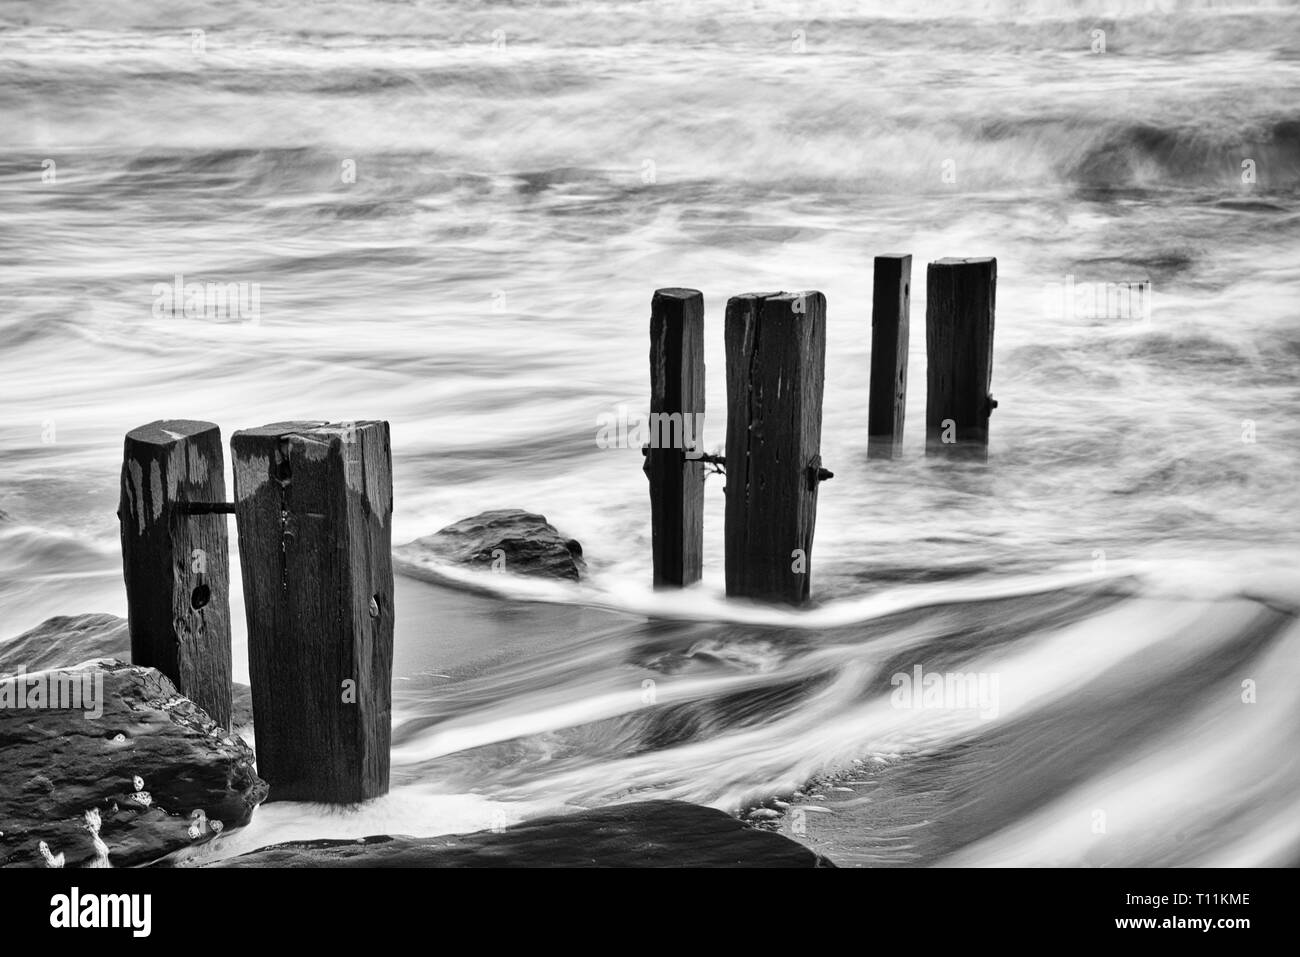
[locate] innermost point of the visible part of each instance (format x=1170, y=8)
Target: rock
x=763, y=814
x=644, y=834
x=61, y=766
x=68, y=640
x=524, y=543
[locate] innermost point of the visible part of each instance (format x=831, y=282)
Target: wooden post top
x=964, y=260
x=808, y=295
x=309, y=425
x=261, y=456
x=282, y=428
x=782, y=294
x=307, y=430
x=675, y=292
x=168, y=431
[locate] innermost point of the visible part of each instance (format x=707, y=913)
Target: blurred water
x=527, y=173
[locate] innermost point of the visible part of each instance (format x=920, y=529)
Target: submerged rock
x=508, y=540
x=644, y=834
x=68, y=640
x=128, y=780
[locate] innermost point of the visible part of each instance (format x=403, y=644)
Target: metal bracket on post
x=816, y=474
x=718, y=462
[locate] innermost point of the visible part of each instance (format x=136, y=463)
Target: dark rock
x=645, y=834
x=68, y=640
x=60, y=763
x=528, y=545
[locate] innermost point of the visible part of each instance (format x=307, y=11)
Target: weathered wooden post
x=890, y=308
x=960, y=296
x=676, y=410
x=177, y=565
x=776, y=361
x=313, y=504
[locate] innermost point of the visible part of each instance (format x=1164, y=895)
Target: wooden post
x=960, y=295
x=177, y=565
x=675, y=471
x=313, y=505
x=776, y=361
x=890, y=308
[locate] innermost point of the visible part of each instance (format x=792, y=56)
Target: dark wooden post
x=960, y=296
x=314, y=504
x=177, y=565
x=890, y=307
x=676, y=406
x=776, y=360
